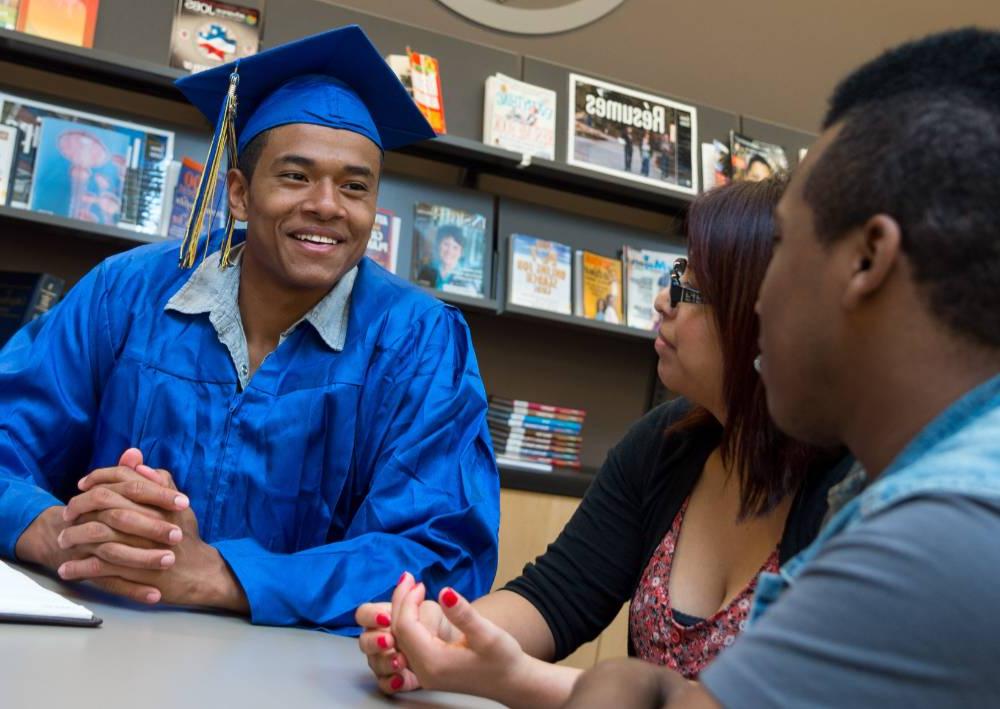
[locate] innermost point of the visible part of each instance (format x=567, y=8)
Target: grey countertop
x=167, y=657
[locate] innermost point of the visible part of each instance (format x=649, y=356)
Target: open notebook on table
x=22, y=600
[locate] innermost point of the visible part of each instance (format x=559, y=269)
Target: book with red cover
x=535, y=406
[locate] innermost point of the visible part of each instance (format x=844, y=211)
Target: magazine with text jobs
x=632, y=135
x=449, y=248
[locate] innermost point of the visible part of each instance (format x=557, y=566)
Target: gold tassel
x=223, y=141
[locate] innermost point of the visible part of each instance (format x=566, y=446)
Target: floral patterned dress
x=656, y=634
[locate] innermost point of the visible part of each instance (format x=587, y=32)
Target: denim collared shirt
x=216, y=291
x=958, y=453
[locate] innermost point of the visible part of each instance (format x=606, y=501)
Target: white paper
x=20, y=595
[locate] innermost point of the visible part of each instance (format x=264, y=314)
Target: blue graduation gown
x=319, y=483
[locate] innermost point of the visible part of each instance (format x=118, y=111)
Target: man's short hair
x=247, y=159
x=965, y=61
x=929, y=161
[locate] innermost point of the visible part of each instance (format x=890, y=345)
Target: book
x=207, y=33
x=69, y=21
x=535, y=422
x=8, y=148
x=182, y=193
x=716, y=166
x=598, y=287
x=421, y=77
x=633, y=135
x=79, y=171
x=24, y=297
x=149, y=158
x=519, y=116
x=8, y=14
x=755, y=160
x=449, y=249
x=647, y=272
x=23, y=600
x=506, y=461
x=540, y=274
x=507, y=409
x=539, y=434
x=523, y=404
x=383, y=244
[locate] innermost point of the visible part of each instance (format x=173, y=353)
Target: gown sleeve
x=50, y=385
x=432, y=501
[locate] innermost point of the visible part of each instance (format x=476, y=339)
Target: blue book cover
x=184, y=194
x=79, y=171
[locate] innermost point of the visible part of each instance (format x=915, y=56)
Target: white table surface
x=150, y=658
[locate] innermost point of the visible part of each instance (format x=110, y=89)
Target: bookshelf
x=523, y=353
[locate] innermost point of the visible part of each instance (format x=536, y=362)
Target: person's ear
x=238, y=194
x=875, y=249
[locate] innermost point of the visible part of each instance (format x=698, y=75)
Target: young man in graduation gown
x=280, y=427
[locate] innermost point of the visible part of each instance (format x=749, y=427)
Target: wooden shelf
x=562, y=481
x=14, y=218
x=578, y=323
x=90, y=64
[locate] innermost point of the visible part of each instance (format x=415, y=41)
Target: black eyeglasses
x=681, y=293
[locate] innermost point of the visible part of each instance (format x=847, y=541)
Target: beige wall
x=772, y=59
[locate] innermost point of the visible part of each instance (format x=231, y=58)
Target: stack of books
x=535, y=436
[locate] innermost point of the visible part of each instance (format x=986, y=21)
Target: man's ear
x=238, y=194
x=875, y=250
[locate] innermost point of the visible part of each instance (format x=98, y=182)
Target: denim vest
x=958, y=453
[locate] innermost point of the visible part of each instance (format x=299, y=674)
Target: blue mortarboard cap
x=336, y=78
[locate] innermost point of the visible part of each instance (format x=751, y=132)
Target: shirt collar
x=211, y=289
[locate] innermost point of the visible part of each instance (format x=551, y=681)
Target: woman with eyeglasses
x=701, y=495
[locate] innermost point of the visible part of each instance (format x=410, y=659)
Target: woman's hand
x=378, y=643
x=474, y=655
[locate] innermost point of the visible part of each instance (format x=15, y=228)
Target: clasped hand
x=448, y=645
x=132, y=533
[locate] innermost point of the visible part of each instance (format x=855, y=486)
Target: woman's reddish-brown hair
x=730, y=232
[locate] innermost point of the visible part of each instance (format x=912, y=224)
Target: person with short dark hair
x=700, y=496
x=880, y=329
x=272, y=430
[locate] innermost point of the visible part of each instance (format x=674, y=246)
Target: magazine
x=8, y=14
x=150, y=152
x=540, y=273
x=647, y=272
x=207, y=33
x=519, y=117
x=755, y=160
x=184, y=187
x=633, y=135
x=716, y=167
x=70, y=22
x=79, y=171
x=598, y=287
x=8, y=147
x=449, y=249
x=383, y=244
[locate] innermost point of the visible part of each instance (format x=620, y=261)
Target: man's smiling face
x=309, y=205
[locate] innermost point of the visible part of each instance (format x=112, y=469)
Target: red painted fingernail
x=397, y=682
x=383, y=642
x=401, y=578
x=395, y=663
x=383, y=620
x=449, y=598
